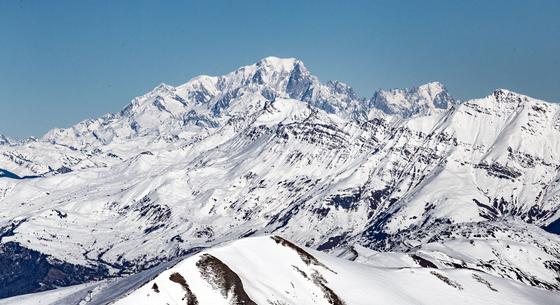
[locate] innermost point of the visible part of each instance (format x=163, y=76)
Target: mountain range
x=410, y=181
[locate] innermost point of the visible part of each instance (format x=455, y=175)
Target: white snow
x=221, y=157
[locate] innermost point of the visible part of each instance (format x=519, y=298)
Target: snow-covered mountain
x=269, y=149
x=424, y=100
x=273, y=270
x=5, y=140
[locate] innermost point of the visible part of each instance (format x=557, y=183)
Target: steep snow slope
x=272, y=270
x=270, y=149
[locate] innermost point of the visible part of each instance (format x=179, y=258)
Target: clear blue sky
x=65, y=61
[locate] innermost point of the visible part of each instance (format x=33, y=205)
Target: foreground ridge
x=272, y=270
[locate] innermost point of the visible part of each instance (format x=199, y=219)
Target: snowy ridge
x=268, y=149
x=273, y=270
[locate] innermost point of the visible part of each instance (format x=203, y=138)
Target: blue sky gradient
x=65, y=61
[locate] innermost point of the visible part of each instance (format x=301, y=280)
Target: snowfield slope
x=269, y=149
x=273, y=270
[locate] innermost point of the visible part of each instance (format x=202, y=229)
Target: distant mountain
x=269, y=149
x=5, y=140
x=419, y=100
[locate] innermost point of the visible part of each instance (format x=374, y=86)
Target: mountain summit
x=210, y=101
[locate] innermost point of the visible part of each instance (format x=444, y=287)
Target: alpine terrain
x=268, y=186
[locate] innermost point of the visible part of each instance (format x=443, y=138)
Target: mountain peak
x=502, y=95
x=163, y=86
x=277, y=63
x=434, y=87
x=4, y=140
x=408, y=102
x=274, y=71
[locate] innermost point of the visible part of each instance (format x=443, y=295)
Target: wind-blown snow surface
x=270, y=149
x=272, y=270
